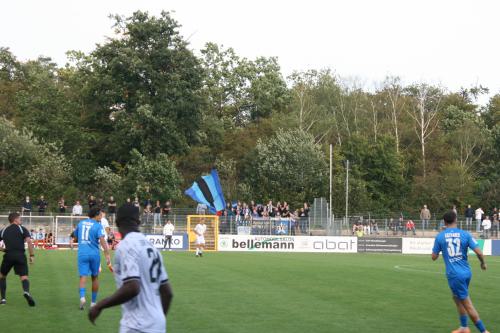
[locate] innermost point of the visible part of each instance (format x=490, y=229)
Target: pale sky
x=454, y=43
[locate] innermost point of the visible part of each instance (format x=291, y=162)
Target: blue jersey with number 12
x=455, y=243
x=88, y=233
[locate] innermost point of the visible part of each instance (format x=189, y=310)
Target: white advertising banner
x=159, y=240
x=288, y=243
x=418, y=245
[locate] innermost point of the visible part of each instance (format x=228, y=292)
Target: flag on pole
x=207, y=190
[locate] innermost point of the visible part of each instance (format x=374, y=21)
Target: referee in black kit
x=14, y=237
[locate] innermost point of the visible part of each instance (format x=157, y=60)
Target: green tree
x=155, y=177
x=289, y=166
x=30, y=167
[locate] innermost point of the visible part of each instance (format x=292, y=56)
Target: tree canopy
x=144, y=114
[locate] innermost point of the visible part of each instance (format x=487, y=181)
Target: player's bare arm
x=31, y=249
x=480, y=256
x=166, y=295
x=127, y=291
x=105, y=248
x=435, y=256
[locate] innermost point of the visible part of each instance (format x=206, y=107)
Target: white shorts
x=124, y=329
x=200, y=240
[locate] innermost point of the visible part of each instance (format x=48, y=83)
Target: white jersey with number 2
x=137, y=259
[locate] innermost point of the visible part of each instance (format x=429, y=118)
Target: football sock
x=480, y=326
x=82, y=292
x=197, y=251
x=94, y=296
x=3, y=287
x=26, y=285
x=463, y=320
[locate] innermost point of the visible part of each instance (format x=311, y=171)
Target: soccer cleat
x=29, y=299
x=92, y=304
x=82, y=303
x=462, y=330
x=3, y=302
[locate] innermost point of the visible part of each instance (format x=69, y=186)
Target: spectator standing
x=167, y=207
x=479, y=217
x=496, y=225
x=306, y=209
x=77, y=209
x=137, y=203
x=168, y=232
x=469, y=214
x=100, y=203
x=61, y=205
x=486, y=224
x=425, y=216
x=42, y=205
x=26, y=206
x=92, y=202
x=157, y=214
x=201, y=209
x=112, y=208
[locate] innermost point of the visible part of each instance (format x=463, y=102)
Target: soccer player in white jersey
x=143, y=288
x=105, y=225
x=200, y=230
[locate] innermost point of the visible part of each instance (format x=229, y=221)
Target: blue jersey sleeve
x=437, y=246
x=472, y=242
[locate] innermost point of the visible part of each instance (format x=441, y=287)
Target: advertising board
x=380, y=245
x=179, y=242
x=287, y=244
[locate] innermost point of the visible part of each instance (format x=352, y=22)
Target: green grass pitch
x=267, y=292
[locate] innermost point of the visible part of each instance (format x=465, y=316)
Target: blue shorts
x=89, y=265
x=460, y=286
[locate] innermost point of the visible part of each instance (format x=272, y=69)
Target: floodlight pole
x=347, y=191
x=331, y=172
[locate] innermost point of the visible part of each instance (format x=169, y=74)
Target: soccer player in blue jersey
x=454, y=243
x=90, y=235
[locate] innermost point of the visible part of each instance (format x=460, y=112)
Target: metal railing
x=61, y=226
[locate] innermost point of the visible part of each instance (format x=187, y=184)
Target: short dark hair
x=94, y=211
x=13, y=217
x=449, y=217
x=128, y=215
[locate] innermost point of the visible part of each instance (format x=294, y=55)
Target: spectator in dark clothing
x=92, y=202
x=26, y=206
x=111, y=206
x=157, y=214
x=61, y=205
x=167, y=207
x=100, y=203
x=306, y=209
x=42, y=205
x=469, y=214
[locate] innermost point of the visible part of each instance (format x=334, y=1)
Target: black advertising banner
x=380, y=245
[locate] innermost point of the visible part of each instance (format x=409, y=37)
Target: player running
x=454, y=243
x=168, y=231
x=142, y=281
x=14, y=236
x=90, y=235
x=200, y=230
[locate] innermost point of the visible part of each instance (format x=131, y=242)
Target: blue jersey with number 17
x=455, y=243
x=88, y=233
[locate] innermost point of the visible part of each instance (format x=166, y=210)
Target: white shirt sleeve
x=129, y=266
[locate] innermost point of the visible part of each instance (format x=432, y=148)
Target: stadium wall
x=246, y=243
x=319, y=244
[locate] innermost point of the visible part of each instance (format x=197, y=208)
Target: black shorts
x=16, y=260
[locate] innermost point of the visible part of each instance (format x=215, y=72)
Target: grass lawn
x=267, y=292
